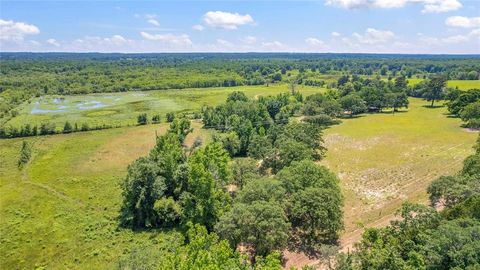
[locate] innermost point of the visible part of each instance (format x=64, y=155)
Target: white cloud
x=437, y=6
x=153, y=22
x=465, y=22
x=455, y=39
x=182, y=39
x=224, y=43
x=226, y=20
x=335, y=34
x=53, y=42
x=429, y=6
x=16, y=31
x=314, y=42
x=249, y=40
x=373, y=36
x=198, y=27
x=116, y=40
x=273, y=46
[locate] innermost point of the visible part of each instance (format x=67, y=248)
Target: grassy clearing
x=461, y=84
x=123, y=108
x=464, y=85
x=61, y=211
x=385, y=159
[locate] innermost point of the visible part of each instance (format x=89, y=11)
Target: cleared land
x=61, y=211
x=385, y=159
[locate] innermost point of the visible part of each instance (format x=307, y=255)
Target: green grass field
x=464, y=85
x=385, y=159
x=461, y=84
x=123, y=108
x=61, y=211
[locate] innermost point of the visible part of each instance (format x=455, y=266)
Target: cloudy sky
x=368, y=26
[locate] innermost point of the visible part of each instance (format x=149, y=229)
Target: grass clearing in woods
x=384, y=159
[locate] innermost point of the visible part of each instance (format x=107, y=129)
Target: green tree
x=181, y=128
x=317, y=214
x=25, y=154
x=435, y=89
x=262, y=189
x=141, y=189
x=244, y=170
x=67, y=128
x=353, y=104
x=261, y=226
x=205, y=199
x=170, y=116
x=156, y=119
x=230, y=142
x=142, y=119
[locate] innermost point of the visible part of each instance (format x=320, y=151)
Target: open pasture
x=385, y=159
x=60, y=212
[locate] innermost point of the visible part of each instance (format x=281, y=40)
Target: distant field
x=461, y=84
x=464, y=85
x=61, y=211
x=384, y=159
x=123, y=108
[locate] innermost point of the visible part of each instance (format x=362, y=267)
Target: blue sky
x=370, y=26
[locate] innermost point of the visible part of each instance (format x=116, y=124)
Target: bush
x=156, y=119
x=170, y=117
x=321, y=120
x=142, y=119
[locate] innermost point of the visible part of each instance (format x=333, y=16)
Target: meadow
x=385, y=159
x=122, y=109
x=61, y=210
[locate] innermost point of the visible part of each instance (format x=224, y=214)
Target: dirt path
x=348, y=239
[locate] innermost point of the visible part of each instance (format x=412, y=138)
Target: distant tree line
x=25, y=76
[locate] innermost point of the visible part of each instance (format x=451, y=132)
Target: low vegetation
x=423, y=238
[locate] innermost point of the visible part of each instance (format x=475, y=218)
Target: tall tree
x=435, y=88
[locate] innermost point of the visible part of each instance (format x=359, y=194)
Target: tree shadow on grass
x=433, y=107
x=313, y=249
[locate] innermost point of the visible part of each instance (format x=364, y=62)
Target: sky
x=338, y=26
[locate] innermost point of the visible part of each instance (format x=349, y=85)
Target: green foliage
x=205, y=200
x=261, y=226
x=142, y=119
x=471, y=114
x=170, y=116
x=262, y=189
x=165, y=189
x=315, y=201
x=141, y=188
x=243, y=170
x=230, y=142
x=67, y=128
x=201, y=250
x=181, y=128
x=156, y=119
x=25, y=154
x=435, y=89
x=353, y=103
